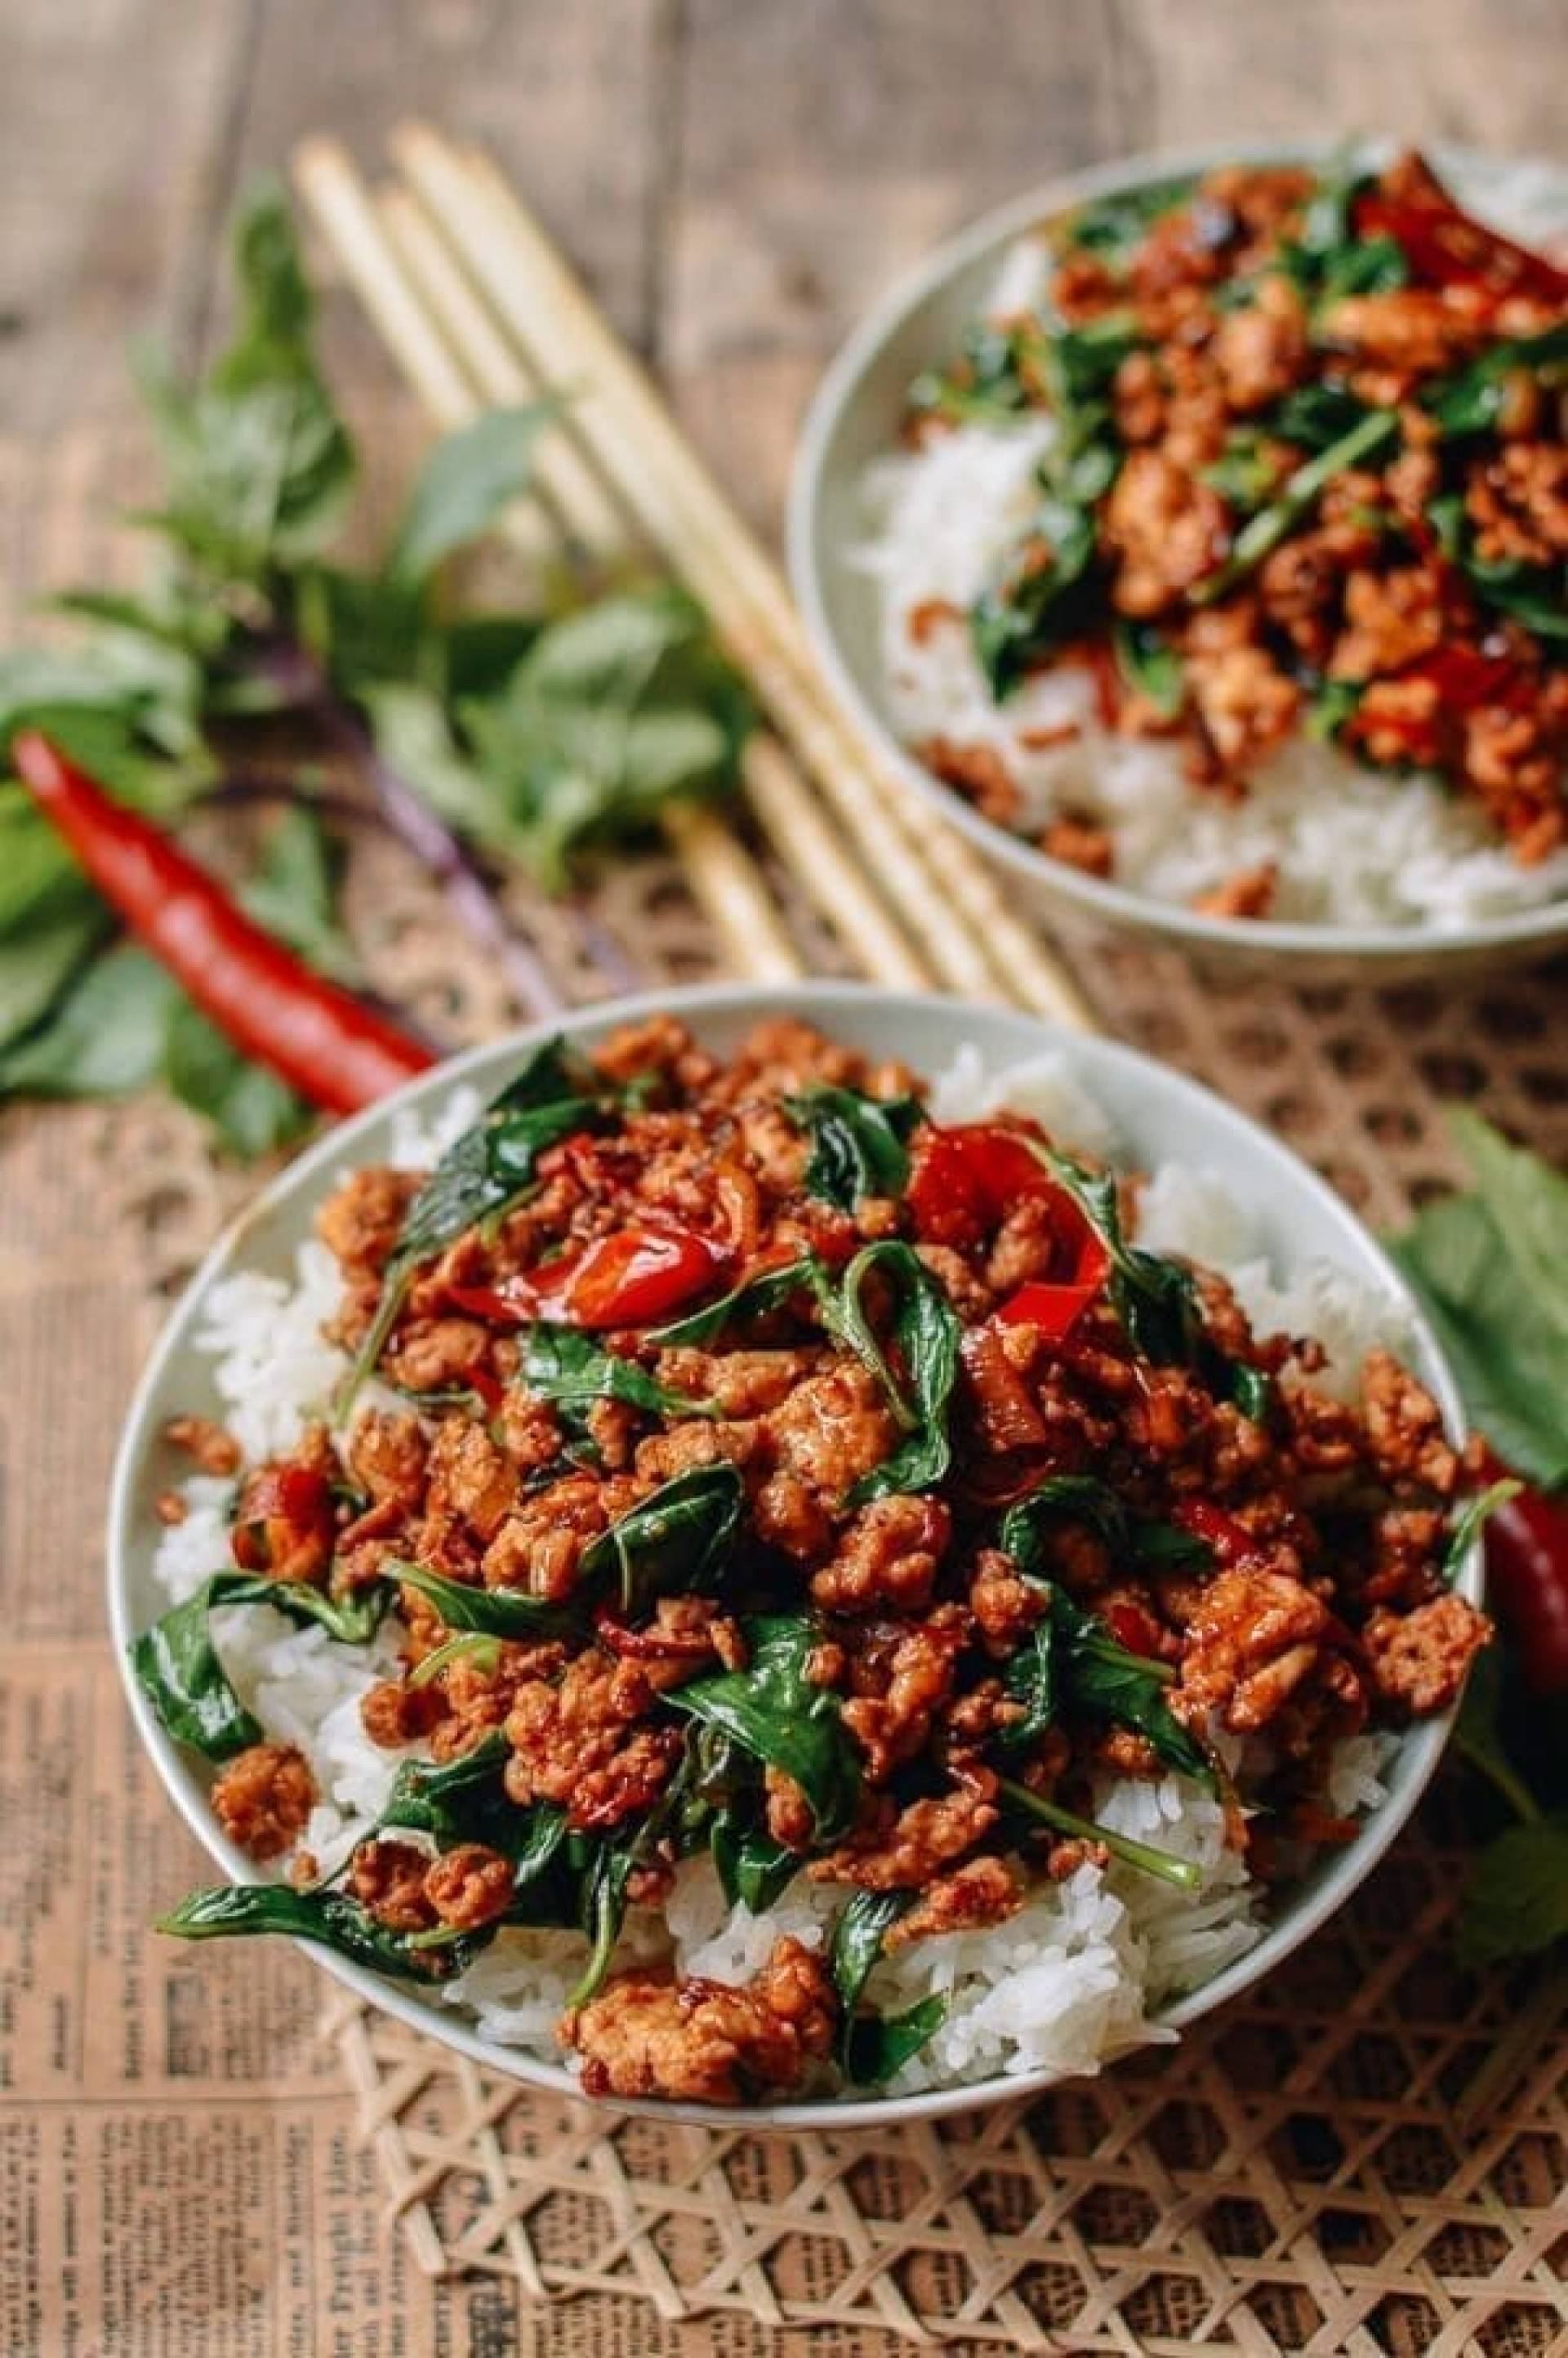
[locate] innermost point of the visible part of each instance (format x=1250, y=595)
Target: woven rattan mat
x=1366, y=2155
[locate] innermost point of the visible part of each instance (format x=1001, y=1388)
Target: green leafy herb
x=177, y=1664
x=1155, y=1298
x=332, y=1920
x=771, y=1289
x=1471, y=401
x=1027, y=1806
x=925, y=1336
x=872, y=2047
x=774, y=1711
x=1265, y=531
x=860, y=1144
x=490, y=1168
x=1490, y=1268
x=614, y=712
x=1083, y=1499
x=990, y=380
x=572, y=1370
x=1151, y=668
x=258, y=461
x=678, y=1541
x=467, y=482
x=1044, y=596
x=1516, y=1903
x=1115, y=226
x=753, y=1868
x=466, y=1800
x=493, y=1612
x=1072, y=1663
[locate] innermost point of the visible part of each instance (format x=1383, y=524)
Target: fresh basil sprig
x=926, y=1334
x=178, y=1668
x=332, y=1920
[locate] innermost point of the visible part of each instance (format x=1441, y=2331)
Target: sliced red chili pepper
x=627, y=1278
x=638, y=1275
x=1232, y=1543
x=1447, y=247
x=286, y=1520
x=1132, y=1627
x=1056, y=1306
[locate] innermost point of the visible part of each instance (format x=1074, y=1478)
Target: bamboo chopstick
x=724, y=878
x=789, y=813
x=928, y=872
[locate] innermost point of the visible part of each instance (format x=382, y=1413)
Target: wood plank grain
x=821, y=146
x=563, y=97
x=115, y=120
x=1465, y=71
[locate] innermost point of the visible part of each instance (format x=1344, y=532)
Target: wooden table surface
x=738, y=179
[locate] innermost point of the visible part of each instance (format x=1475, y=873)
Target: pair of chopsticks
x=479, y=310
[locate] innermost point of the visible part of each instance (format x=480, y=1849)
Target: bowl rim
x=831, y=1002
x=1540, y=929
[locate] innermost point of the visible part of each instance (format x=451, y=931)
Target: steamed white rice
x=1076, y=1976
x=1352, y=846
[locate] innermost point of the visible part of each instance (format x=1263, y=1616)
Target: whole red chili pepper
x=1527, y=1580
x=338, y=1053
x=1445, y=245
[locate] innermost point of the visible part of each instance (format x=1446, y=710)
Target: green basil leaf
x=772, y=1710
x=755, y=1869
x=1044, y=596
x=1155, y=1299
x=572, y=1370
x=1516, y=1903
x=770, y=1290
x=259, y=463
x=177, y=1664
x=677, y=1541
x=467, y=481
x=1489, y=1267
x=1150, y=666
x=859, y=1144
x=332, y=1920
x=1114, y=226
x=872, y=2047
x=1469, y=402
x=602, y=1911
x=615, y=710
x=253, y=1111
x=1105, y=1680
x=104, y=1037
x=927, y=1333
x=1082, y=1497
x=493, y=1612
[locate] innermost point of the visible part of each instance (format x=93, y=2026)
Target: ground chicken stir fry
x=1311, y=474
x=757, y=1468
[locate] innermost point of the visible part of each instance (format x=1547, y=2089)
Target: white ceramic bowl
x=855, y=418
x=1157, y=1114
